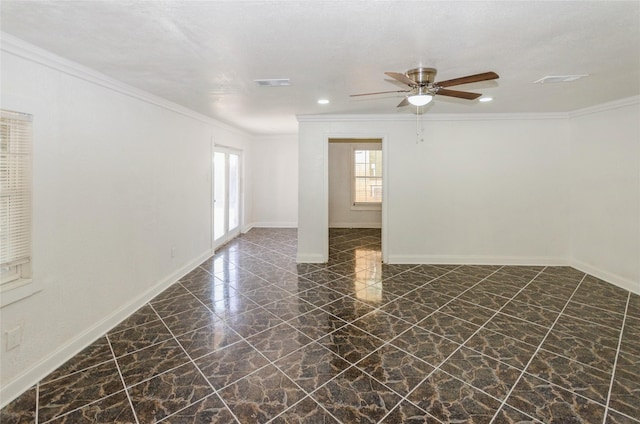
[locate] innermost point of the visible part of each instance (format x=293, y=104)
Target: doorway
x=226, y=195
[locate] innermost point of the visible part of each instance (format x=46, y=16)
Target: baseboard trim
x=475, y=260
x=279, y=224
x=311, y=258
x=12, y=389
x=354, y=225
x=615, y=279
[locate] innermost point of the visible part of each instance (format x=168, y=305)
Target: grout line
x=135, y=415
x=37, y=418
x=615, y=362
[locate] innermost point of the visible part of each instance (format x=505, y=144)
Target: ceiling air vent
x=549, y=79
x=277, y=82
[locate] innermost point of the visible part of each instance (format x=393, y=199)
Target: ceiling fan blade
x=459, y=94
x=404, y=102
x=468, y=79
x=401, y=77
x=379, y=92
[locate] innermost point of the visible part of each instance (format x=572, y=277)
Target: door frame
x=228, y=235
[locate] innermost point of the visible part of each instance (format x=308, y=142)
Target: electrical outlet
x=14, y=337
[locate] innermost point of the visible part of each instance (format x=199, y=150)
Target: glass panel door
x=219, y=195
x=226, y=195
x=234, y=191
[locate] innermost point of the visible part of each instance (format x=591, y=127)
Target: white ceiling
x=205, y=55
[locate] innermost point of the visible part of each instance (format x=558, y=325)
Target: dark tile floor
x=251, y=337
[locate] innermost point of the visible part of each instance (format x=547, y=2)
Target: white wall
x=475, y=191
x=341, y=213
x=117, y=182
x=274, y=168
x=605, y=193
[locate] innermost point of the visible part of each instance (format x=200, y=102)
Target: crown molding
x=616, y=104
x=434, y=117
x=24, y=50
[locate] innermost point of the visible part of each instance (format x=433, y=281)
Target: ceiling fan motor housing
x=422, y=76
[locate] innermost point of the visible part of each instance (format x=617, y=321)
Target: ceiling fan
x=422, y=87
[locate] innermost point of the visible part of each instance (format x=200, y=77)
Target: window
x=367, y=177
x=15, y=206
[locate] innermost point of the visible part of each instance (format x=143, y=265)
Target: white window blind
x=367, y=172
x=15, y=198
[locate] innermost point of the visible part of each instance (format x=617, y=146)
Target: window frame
x=16, y=280
x=364, y=206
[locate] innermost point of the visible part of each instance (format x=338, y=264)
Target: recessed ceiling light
x=485, y=99
x=323, y=102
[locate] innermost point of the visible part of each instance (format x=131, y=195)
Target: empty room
x=319, y=211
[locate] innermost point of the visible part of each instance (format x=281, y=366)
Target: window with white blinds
x=15, y=200
x=367, y=177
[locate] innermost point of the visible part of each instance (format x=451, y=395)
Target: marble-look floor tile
x=307, y=411
x=261, y=396
x=177, y=305
x=354, y=396
x=96, y=353
x=139, y=337
x=448, y=326
x=470, y=312
x=509, y=415
x=428, y=297
x=381, y=325
x=312, y=366
x=76, y=390
x=625, y=396
x=21, y=410
x=484, y=373
x=168, y=393
x=542, y=300
x=575, y=327
x=531, y=313
x=518, y=329
x=253, y=322
x=278, y=341
x=502, y=348
x=395, y=369
x=151, y=361
x=350, y=343
x=289, y=308
x=628, y=366
x=208, y=339
x=348, y=308
x=581, y=350
x=552, y=404
x=407, y=310
x=210, y=410
x=614, y=417
x=451, y=400
x=571, y=375
x=496, y=288
x=110, y=410
x=190, y=320
x=594, y=315
x=425, y=345
x=406, y=412
x=230, y=364
x=630, y=342
x=142, y=315
x=317, y=323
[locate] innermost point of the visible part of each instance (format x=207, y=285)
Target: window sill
x=365, y=207
x=16, y=290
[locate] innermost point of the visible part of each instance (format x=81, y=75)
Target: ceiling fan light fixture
x=420, y=99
